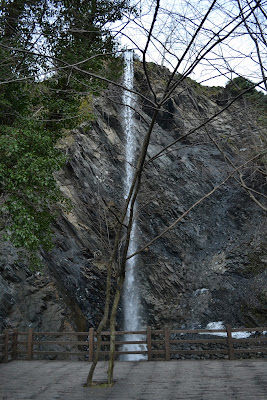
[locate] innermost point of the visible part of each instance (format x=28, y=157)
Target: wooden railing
x=156, y=345
x=8, y=345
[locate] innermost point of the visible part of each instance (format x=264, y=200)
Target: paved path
x=143, y=380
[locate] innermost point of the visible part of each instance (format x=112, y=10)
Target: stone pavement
x=143, y=380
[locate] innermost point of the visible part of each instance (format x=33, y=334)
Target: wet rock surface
x=210, y=267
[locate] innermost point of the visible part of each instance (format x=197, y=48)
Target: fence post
x=230, y=343
x=6, y=342
x=15, y=344
x=91, y=344
x=30, y=343
x=148, y=341
x=167, y=344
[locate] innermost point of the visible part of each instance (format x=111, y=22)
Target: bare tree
x=202, y=39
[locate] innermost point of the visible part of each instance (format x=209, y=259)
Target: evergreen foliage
x=41, y=95
x=257, y=99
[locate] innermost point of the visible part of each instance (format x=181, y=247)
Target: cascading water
x=131, y=295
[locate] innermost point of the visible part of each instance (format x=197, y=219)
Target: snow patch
x=200, y=291
x=220, y=325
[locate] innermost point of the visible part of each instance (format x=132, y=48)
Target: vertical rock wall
x=210, y=267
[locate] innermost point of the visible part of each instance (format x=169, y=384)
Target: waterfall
x=131, y=295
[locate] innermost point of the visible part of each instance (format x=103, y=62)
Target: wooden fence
x=156, y=345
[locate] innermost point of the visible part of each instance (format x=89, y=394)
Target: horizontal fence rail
x=156, y=345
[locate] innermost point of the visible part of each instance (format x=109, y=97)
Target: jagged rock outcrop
x=210, y=267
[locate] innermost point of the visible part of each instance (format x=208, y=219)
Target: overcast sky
x=176, y=23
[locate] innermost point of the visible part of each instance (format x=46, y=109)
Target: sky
x=178, y=20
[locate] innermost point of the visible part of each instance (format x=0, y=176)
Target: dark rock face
x=210, y=267
x=27, y=299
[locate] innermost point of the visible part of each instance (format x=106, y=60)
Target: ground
x=143, y=380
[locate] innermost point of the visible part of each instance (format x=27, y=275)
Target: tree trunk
x=133, y=192
x=113, y=329
x=101, y=326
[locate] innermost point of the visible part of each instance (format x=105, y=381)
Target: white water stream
x=131, y=295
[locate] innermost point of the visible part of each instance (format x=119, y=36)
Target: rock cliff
x=210, y=267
